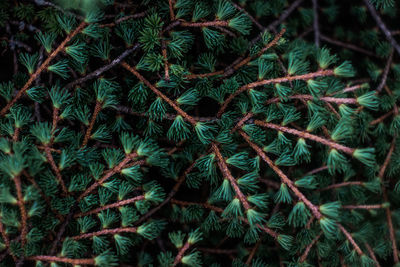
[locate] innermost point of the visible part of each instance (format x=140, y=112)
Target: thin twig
x=382, y=26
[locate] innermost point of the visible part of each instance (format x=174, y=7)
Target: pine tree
x=199, y=132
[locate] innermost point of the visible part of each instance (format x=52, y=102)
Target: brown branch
x=171, y=194
x=239, y=62
x=307, y=76
x=118, y=21
x=227, y=174
x=314, y=209
x=315, y=23
x=386, y=199
x=306, y=135
x=171, y=9
x=64, y=260
x=372, y=254
x=165, y=56
x=88, y=133
x=108, y=174
x=381, y=118
x=267, y=230
x=42, y=67
x=308, y=248
x=214, y=23
x=253, y=252
x=110, y=206
x=382, y=26
x=24, y=217
x=181, y=252
x=385, y=72
x=272, y=27
x=350, y=238
x=351, y=183
x=105, y=232
x=364, y=207
x=158, y=93
x=6, y=240
x=241, y=9
x=281, y=175
x=348, y=46
x=103, y=69
x=327, y=99
x=56, y=170
x=320, y=169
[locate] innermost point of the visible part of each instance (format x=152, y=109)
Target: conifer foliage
x=199, y=133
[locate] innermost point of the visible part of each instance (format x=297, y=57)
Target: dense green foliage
x=199, y=132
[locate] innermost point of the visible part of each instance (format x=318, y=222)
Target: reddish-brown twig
x=88, y=133
x=110, y=206
x=385, y=198
x=128, y=158
x=267, y=230
x=60, y=259
x=56, y=170
x=363, y=207
x=105, y=232
x=158, y=93
x=314, y=209
x=304, y=77
x=349, y=237
x=334, y=186
x=372, y=254
x=42, y=67
x=171, y=9
x=306, y=135
x=180, y=254
x=24, y=217
x=227, y=174
x=205, y=23
x=239, y=62
x=170, y=195
x=308, y=248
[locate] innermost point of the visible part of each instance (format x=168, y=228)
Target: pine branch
x=308, y=248
x=385, y=72
x=117, y=169
x=306, y=135
x=382, y=26
x=227, y=174
x=171, y=9
x=56, y=170
x=364, y=207
x=105, y=232
x=96, y=112
x=265, y=229
x=105, y=68
x=170, y=195
x=315, y=210
x=42, y=67
x=158, y=93
x=63, y=260
x=181, y=252
x=348, y=46
x=24, y=217
x=372, y=254
x=344, y=184
x=304, y=77
x=111, y=206
x=349, y=237
x=316, y=23
x=392, y=234
x=239, y=62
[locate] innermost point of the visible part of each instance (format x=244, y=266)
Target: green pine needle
x=344, y=70
x=365, y=155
